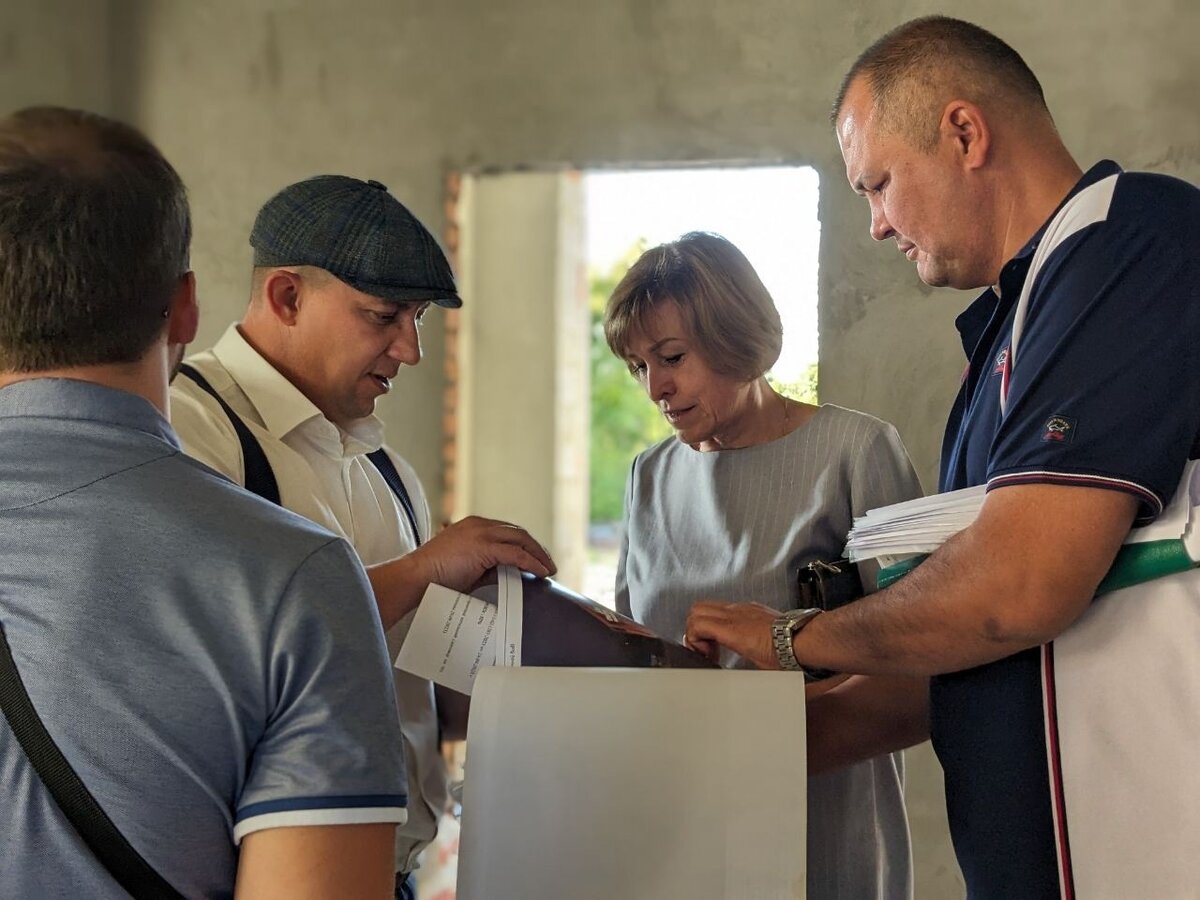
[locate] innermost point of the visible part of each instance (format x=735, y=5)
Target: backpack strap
x=387, y=469
x=97, y=830
x=260, y=479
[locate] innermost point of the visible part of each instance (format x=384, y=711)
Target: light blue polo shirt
x=209, y=663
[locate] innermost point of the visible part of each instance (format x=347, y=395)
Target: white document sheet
x=451, y=638
x=511, y=616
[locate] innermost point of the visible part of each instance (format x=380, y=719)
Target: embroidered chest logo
x=1058, y=429
x=1001, y=362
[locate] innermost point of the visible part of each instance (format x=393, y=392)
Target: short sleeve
x=621, y=591
x=882, y=473
x=332, y=752
x=1105, y=385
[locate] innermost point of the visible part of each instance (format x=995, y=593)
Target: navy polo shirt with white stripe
x=1104, y=391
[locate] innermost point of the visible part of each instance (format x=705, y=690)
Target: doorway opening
x=542, y=423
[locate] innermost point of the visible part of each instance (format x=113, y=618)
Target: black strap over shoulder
x=102, y=837
x=387, y=469
x=260, y=479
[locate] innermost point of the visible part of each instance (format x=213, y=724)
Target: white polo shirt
x=324, y=475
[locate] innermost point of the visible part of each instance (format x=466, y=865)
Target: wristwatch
x=783, y=629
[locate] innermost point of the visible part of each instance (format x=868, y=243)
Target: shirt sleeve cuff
x=363, y=810
x=1151, y=503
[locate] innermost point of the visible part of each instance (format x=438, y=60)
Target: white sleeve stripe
x=354, y=815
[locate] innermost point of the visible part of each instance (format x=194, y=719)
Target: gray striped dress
x=736, y=525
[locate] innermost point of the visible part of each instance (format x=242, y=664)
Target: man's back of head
x=94, y=237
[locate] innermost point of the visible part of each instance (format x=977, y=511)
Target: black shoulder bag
x=828, y=584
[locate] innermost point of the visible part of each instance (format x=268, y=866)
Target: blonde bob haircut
x=728, y=311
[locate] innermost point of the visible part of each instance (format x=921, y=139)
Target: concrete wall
x=55, y=52
x=247, y=95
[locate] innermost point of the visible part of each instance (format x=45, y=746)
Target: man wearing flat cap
x=284, y=403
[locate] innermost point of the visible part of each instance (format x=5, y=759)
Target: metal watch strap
x=781, y=638
x=783, y=630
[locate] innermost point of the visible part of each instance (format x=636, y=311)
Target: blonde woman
x=752, y=486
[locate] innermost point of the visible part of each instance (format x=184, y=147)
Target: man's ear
x=183, y=318
x=967, y=130
x=281, y=295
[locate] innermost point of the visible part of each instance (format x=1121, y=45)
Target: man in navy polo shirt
x=1065, y=726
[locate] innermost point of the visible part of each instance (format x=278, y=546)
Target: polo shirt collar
x=68, y=398
x=972, y=321
x=1098, y=172
x=283, y=407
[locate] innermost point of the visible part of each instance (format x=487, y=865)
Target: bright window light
x=769, y=212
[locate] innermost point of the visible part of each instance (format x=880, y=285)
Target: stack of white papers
x=916, y=527
x=913, y=527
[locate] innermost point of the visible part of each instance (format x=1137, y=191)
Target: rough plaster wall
x=247, y=95
x=54, y=52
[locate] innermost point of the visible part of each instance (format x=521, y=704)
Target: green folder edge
x=1133, y=564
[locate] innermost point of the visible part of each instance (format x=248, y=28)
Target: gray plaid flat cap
x=357, y=231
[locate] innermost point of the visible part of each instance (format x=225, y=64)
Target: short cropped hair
x=311, y=274
x=916, y=68
x=94, y=235
x=727, y=309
